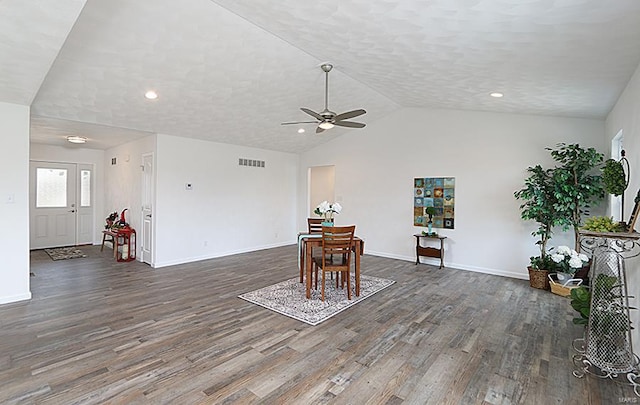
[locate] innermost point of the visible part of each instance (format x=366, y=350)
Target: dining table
x=306, y=243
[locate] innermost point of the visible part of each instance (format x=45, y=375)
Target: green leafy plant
x=577, y=186
x=538, y=205
x=605, y=323
x=613, y=177
x=602, y=224
x=581, y=302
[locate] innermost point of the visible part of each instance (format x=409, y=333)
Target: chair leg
x=348, y=284
x=323, y=284
x=315, y=269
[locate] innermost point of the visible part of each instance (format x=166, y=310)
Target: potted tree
x=538, y=205
x=577, y=186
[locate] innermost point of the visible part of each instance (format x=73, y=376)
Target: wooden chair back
x=337, y=240
x=314, y=225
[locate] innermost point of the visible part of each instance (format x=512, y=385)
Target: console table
x=427, y=251
x=123, y=241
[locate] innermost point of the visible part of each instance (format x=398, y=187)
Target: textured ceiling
x=231, y=71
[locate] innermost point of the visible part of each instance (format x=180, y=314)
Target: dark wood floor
x=97, y=331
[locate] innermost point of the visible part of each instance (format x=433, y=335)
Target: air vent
x=250, y=162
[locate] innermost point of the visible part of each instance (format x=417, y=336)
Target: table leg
x=307, y=266
x=301, y=249
x=357, y=252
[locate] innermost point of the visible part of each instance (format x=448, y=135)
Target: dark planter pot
x=583, y=273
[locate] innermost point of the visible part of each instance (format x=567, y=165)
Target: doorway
x=61, y=204
x=321, y=186
x=147, y=209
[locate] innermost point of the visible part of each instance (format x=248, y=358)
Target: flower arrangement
x=566, y=260
x=327, y=210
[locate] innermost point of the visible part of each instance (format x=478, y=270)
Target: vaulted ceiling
x=232, y=70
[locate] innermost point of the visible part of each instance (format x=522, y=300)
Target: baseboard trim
x=458, y=266
x=15, y=298
x=158, y=265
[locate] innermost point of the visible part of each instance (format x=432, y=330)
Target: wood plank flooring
x=98, y=331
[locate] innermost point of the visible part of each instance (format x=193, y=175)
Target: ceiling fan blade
x=349, y=124
x=299, y=122
x=318, y=130
x=313, y=114
x=349, y=114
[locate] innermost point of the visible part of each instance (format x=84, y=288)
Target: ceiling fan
x=327, y=119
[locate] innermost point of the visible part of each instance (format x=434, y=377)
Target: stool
x=112, y=239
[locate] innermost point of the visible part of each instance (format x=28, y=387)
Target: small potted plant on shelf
x=430, y=211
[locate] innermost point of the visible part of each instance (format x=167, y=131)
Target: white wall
x=625, y=116
x=231, y=208
x=94, y=157
x=123, y=183
x=487, y=153
x=14, y=203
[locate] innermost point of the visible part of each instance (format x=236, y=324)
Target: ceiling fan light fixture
x=76, y=139
x=301, y=130
x=326, y=125
x=496, y=94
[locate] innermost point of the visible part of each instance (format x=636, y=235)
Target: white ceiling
x=232, y=70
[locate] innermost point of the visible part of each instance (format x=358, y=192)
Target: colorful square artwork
x=437, y=192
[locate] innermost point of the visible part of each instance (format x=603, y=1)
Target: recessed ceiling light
x=301, y=130
x=151, y=95
x=76, y=139
x=496, y=94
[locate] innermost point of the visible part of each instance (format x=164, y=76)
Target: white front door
x=147, y=208
x=52, y=204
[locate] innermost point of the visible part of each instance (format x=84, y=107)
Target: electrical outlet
x=11, y=199
x=206, y=243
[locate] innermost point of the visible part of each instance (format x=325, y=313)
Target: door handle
x=148, y=215
x=72, y=211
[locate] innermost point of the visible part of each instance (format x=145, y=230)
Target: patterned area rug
x=65, y=253
x=288, y=298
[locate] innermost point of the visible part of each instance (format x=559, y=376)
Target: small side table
x=426, y=251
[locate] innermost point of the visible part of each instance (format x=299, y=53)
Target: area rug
x=65, y=253
x=288, y=298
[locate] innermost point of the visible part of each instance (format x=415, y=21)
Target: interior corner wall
x=14, y=200
x=93, y=157
x=487, y=153
x=123, y=182
x=229, y=209
x=625, y=117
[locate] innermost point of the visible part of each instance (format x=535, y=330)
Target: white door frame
x=147, y=218
x=53, y=227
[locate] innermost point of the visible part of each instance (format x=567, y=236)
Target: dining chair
x=314, y=225
x=336, y=255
